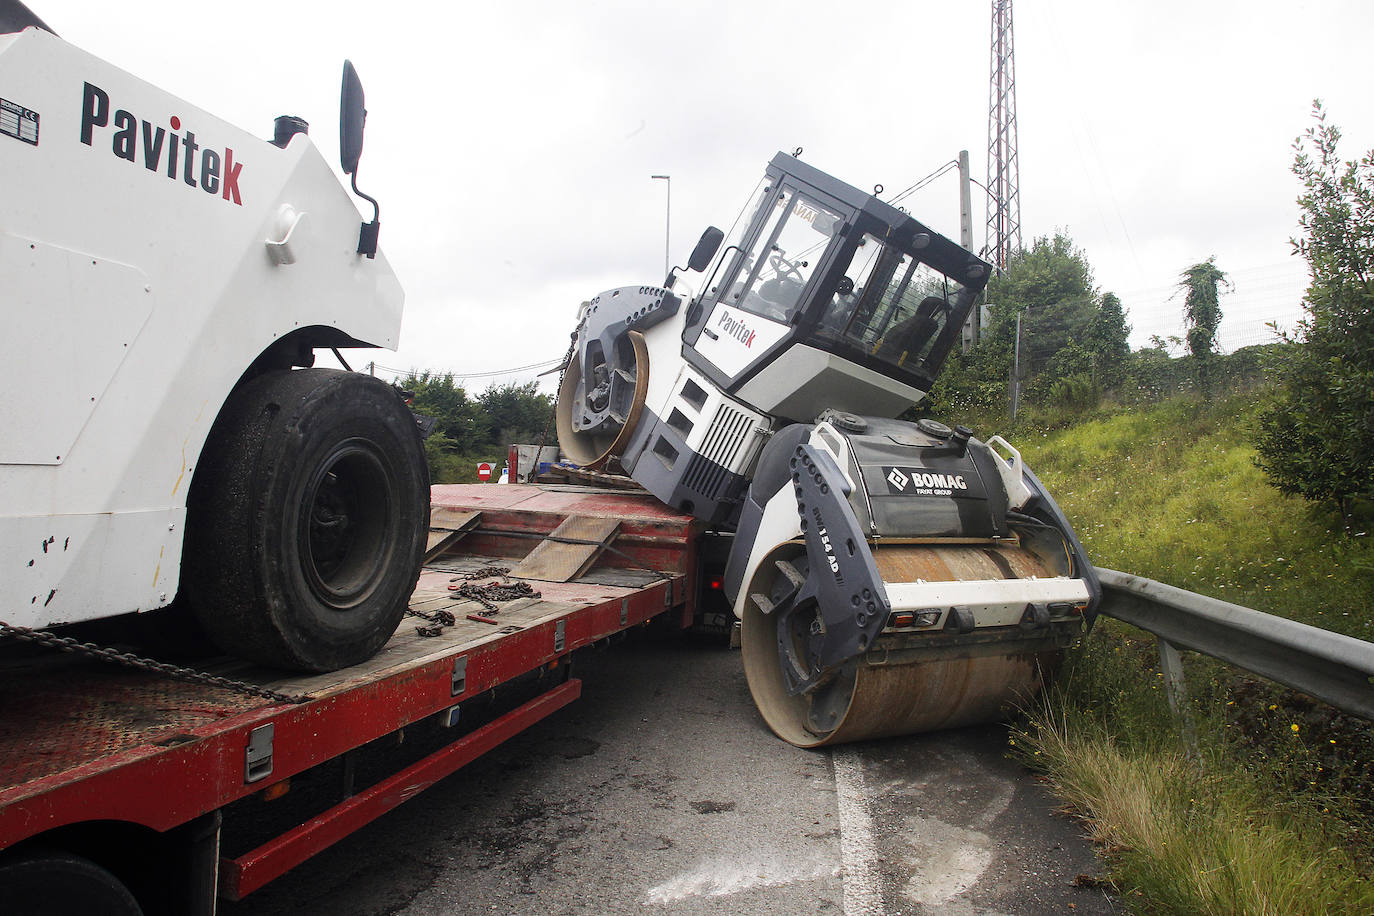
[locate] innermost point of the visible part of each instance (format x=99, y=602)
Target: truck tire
x=307, y=520
x=54, y=883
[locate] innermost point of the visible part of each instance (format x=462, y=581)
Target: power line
x=952, y=164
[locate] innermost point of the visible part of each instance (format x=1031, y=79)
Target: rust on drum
x=877, y=700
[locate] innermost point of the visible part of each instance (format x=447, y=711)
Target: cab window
x=893, y=307
x=771, y=278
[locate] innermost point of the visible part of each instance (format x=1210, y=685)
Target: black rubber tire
x=54, y=883
x=307, y=520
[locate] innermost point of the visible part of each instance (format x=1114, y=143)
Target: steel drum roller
x=869, y=698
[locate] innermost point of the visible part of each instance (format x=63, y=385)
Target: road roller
x=890, y=576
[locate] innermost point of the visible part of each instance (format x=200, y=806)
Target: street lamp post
x=667, y=220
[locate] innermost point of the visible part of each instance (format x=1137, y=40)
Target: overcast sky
x=511, y=144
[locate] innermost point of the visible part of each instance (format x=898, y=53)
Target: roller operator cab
x=826, y=298
x=166, y=278
x=889, y=576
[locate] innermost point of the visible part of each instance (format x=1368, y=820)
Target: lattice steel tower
x=1004, y=182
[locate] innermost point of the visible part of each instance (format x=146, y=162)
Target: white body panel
x=734, y=339
x=808, y=381
x=133, y=300
x=669, y=373
x=994, y=602
x=724, y=430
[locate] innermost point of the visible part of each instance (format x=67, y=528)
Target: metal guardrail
x=1331, y=667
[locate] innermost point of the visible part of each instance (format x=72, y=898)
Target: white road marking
x=858, y=852
x=721, y=877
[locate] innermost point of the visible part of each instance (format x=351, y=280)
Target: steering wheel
x=786, y=270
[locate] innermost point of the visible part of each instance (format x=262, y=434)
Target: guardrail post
x=1172, y=667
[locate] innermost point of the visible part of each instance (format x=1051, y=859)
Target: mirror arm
x=367, y=235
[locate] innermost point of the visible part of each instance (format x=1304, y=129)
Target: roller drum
x=867, y=698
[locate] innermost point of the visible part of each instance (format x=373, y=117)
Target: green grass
x=1276, y=815
x=1171, y=492
x=1187, y=838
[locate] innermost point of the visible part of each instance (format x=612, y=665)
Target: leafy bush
x=1317, y=441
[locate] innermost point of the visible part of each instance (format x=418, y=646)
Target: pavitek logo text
x=161, y=149
x=736, y=329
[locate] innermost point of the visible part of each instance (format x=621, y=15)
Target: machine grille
x=720, y=450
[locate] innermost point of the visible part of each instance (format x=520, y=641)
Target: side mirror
x=706, y=249
x=352, y=114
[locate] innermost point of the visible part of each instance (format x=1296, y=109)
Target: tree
x=1069, y=334
x=1202, y=314
x=1051, y=285
x=518, y=413
x=463, y=425
x=1108, y=341
x=1317, y=440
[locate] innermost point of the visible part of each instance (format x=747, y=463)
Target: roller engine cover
x=920, y=480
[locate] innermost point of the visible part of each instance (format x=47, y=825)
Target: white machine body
x=149, y=253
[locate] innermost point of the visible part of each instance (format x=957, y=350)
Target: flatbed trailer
x=168, y=785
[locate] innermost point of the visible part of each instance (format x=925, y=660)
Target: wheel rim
x=347, y=524
x=593, y=451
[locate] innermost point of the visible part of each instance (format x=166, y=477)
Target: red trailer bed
x=84, y=742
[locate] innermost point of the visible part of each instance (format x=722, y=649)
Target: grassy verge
x=1277, y=815
x=1184, y=837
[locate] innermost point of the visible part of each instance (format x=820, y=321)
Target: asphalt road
x=661, y=791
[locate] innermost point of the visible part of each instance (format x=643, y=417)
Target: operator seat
x=910, y=336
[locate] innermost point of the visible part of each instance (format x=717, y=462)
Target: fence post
x=1016, y=370
x=1172, y=667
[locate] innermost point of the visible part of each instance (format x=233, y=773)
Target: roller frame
x=845, y=582
x=606, y=321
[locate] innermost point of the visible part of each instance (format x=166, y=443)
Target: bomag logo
x=736, y=329
x=924, y=483
x=161, y=149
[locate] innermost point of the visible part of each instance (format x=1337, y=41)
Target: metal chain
x=129, y=660
x=483, y=573
x=493, y=591
x=438, y=620
x=544, y=434
x=485, y=595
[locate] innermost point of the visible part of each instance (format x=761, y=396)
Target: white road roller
x=166, y=278
x=890, y=576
